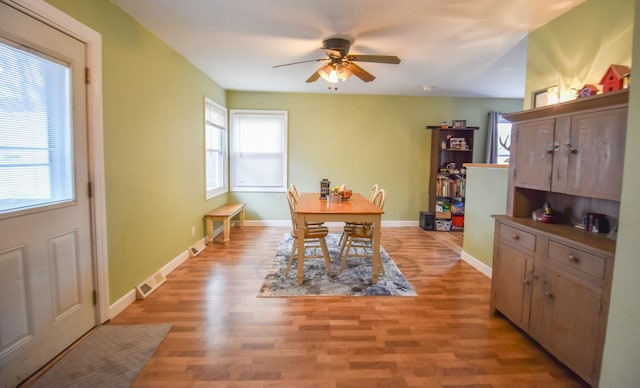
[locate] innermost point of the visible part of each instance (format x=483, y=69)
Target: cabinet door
x=512, y=284
x=571, y=321
x=534, y=154
x=595, y=154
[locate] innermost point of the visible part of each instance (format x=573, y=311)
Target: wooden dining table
x=312, y=208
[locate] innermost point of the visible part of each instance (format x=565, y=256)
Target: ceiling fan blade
x=359, y=72
x=314, y=77
x=375, y=58
x=296, y=63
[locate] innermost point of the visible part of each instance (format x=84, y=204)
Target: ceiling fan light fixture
x=335, y=73
x=343, y=73
x=328, y=73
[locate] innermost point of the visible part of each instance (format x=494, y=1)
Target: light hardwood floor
x=224, y=336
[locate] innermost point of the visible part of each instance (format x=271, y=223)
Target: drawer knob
x=548, y=294
x=574, y=259
x=526, y=282
x=516, y=237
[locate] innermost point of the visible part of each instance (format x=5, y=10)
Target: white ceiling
x=464, y=48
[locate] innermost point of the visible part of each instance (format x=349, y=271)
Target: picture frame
x=541, y=97
x=459, y=123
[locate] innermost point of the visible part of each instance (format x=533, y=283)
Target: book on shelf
x=450, y=186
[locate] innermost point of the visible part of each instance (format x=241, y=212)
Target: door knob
x=571, y=149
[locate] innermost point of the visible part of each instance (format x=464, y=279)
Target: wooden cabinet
x=554, y=280
x=554, y=283
x=595, y=154
x=513, y=269
x=451, y=148
x=581, y=154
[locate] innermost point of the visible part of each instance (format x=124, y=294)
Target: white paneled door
x=46, y=274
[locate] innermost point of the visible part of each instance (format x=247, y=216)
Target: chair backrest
x=372, y=192
x=379, y=199
x=294, y=191
x=292, y=211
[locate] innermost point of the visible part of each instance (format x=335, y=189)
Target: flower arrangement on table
x=341, y=191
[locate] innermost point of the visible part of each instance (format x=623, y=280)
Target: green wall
x=622, y=347
x=153, y=120
x=361, y=140
x=578, y=47
x=486, y=194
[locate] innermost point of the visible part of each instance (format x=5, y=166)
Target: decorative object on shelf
x=594, y=222
x=544, y=214
x=444, y=125
x=587, y=91
x=459, y=123
x=544, y=97
x=458, y=143
x=614, y=78
x=325, y=184
x=443, y=146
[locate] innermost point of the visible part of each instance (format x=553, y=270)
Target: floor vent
x=196, y=248
x=148, y=286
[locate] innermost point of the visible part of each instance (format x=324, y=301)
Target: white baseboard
x=130, y=297
x=122, y=303
x=477, y=264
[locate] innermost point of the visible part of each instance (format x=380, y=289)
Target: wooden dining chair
x=358, y=240
x=294, y=191
x=296, y=197
x=372, y=194
x=314, y=238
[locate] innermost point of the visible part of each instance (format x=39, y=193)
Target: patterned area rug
x=109, y=356
x=355, y=280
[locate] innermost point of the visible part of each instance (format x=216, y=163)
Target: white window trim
x=233, y=117
x=209, y=194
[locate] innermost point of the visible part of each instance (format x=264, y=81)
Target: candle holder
x=324, y=187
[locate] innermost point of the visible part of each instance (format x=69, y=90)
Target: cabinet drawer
x=518, y=237
x=574, y=258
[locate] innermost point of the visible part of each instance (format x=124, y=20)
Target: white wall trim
x=122, y=303
x=130, y=297
x=477, y=264
x=93, y=40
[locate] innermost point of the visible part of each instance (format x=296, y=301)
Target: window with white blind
x=36, y=153
x=215, y=148
x=258, y=150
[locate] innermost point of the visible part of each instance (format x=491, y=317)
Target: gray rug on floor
x=354, y=281
x=109, y=356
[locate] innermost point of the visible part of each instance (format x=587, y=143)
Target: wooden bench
x=224, y=213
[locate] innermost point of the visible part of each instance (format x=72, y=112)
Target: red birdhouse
x=613, y=79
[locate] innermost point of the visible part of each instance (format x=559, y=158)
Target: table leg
x=376, y=249
x=300, y=241
x=209, y=230
x=226, y=228
x=241, y=218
